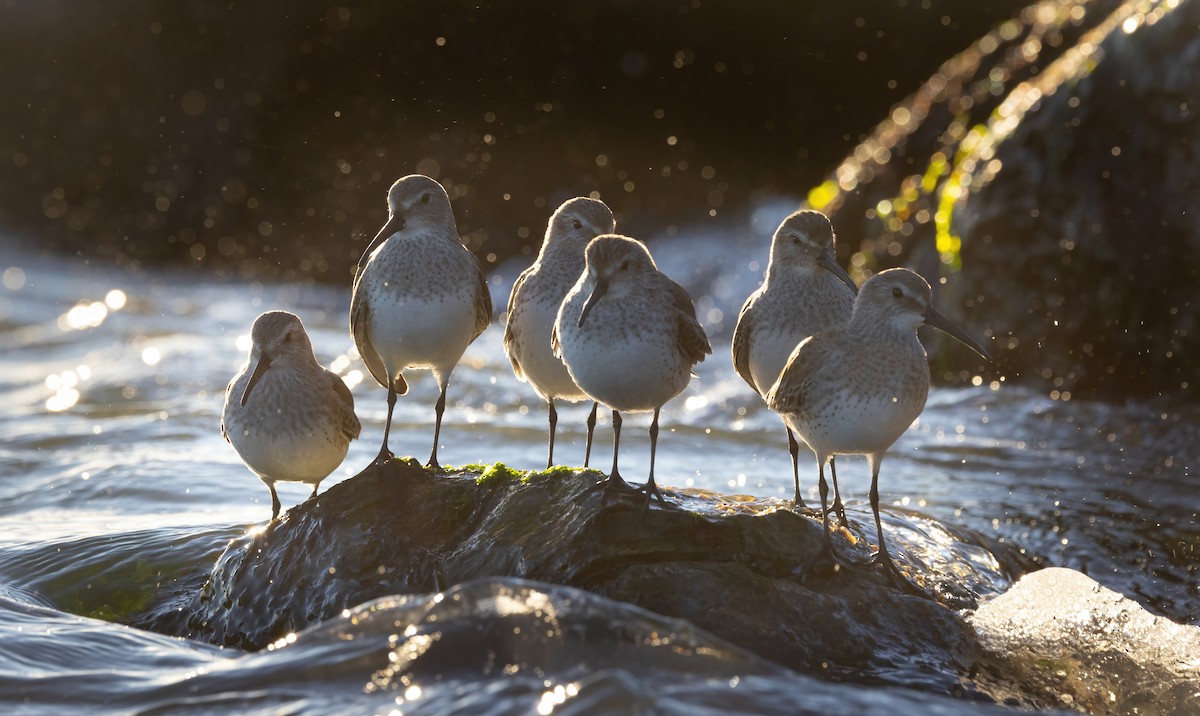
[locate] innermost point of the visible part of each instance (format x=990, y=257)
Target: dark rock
x=1048, y=175
x=1083, y=250
x=723, y=564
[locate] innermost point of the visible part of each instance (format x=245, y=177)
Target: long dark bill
x=829, y=262
x=394, y=223
x=264, y=362
x=597, y=293
x=940, y=322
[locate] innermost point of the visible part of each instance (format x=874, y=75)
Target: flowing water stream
x=115, y=481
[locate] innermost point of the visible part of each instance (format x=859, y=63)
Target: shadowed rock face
x=1048, y=174
x=1085, y=246
x=723, y=565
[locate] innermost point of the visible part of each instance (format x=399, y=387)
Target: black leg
x=591, y=429
x=794, y=450
x=274, y=501
x=838, y=507
x=314, y=492
x=825, y=555
x=614, y=483
x=437, y=428
x=615, y=475
x=651, y=488
x=553, y=425
x=824, y=489
x=384, y=453
x=884, y=558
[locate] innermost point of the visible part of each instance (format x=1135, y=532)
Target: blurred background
x=1038, y=163
x=260, y=138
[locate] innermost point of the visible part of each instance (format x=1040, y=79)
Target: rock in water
x=722, y=564
x=1053, y=159
x=1076, y=644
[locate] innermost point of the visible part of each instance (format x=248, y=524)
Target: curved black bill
x=940, y=322
x=829, y=262
x=264, y=362
x=597, y=293
x=394, y=223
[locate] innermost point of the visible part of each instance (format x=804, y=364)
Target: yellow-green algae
x=497, y=471
x=966, y=160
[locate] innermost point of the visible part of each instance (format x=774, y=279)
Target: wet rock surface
x=724, y=564
x=1077, y=645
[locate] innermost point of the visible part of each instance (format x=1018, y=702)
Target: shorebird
x=419, y=298
x=534, y=302
x=855, y=389
x=289, y=419
x=805, y=291
x=629, y=337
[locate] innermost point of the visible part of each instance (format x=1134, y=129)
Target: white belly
x=291, y=429
x=854, y=427
x=769, y=353
x=421, y=333
x=297, y=457
x=628, y=376
x=543, y=370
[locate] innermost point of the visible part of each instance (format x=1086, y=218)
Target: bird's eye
x=287, y=337
x=578, y=224
x=424, y=198
x=897, y=293
x=796, y=240
x=624, y=265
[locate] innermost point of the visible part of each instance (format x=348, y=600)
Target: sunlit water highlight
x=117, y=485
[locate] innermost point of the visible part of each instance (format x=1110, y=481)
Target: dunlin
x=805, y=291
x=855, y=389
x=629, y=337
x=289, y=419
x=536, y=297
x=420, y=297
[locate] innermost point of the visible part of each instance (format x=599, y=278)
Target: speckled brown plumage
x=536, y=297
x=289, y=419
x=629, y=336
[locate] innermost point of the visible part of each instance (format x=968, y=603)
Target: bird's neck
x=788, y=271
x=562, y=258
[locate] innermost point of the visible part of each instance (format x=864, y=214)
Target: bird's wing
x=360, y=314
x=510, y=339
x=802, y=370
x=741, y=344
x=555, y=344
x=483, y=299
x=228, y=390
x=693, y=343
x=351, y=427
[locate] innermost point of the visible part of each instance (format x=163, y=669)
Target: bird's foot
x=614, y=486
x=840, y=510
x=651, y=491
x=803, y=509
x=383, y=456
x=434, y=465
x=896, y=578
